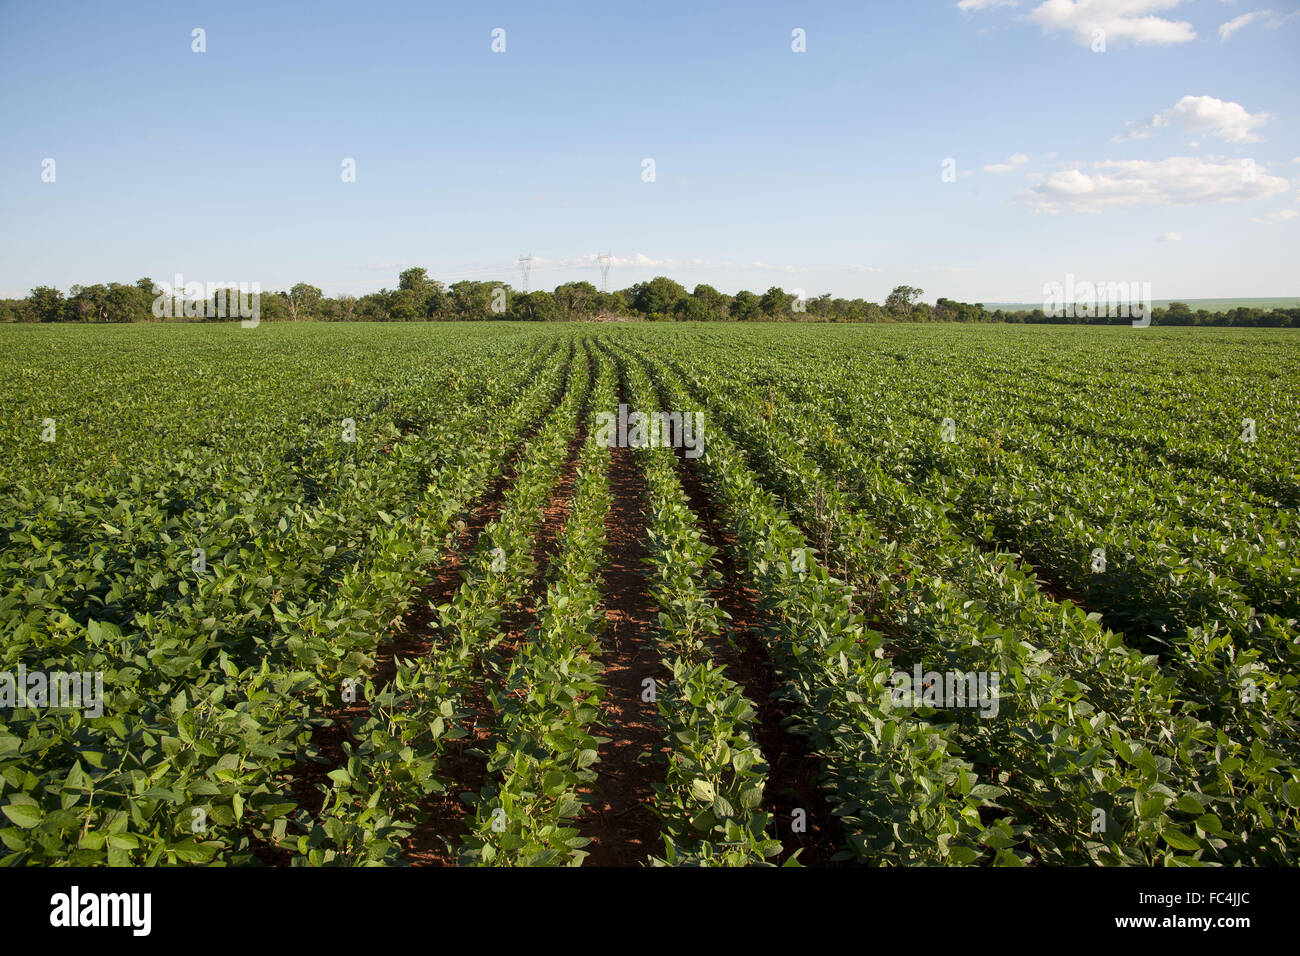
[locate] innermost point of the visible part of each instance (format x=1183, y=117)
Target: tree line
x=418, y=298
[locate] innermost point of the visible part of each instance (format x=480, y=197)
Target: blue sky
x=820, y=170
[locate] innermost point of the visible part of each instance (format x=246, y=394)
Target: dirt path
x=793, y=771
x=621, y=824
x=791, y=779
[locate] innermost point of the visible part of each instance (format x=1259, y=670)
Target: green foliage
x=213, y=681
x=712, y=795
x=657, y=298
x=1148, y=707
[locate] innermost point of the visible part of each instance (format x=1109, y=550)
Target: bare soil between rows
x=620, y=821
x=793, y=771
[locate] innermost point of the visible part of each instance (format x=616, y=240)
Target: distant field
x=402, y=593
x=1209, y=305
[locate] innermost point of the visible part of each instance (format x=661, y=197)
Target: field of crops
x=385, y=594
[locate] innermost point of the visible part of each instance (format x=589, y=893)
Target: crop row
x=208, y=695
x=398, y=761
x=1122, y=776
x=543, y=747
x=711, y=797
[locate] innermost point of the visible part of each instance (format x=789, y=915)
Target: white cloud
x=1176, y=181
x=1171, y=237
x=1130, y=20
x=1201, y=114
x=1019, y=159
x=967, y=6
x=1274, y=218
x=1236, y=23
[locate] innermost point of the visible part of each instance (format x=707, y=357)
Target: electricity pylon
x=605, y=260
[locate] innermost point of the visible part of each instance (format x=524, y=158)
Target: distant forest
x=418, y=298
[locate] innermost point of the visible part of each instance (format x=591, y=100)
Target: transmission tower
x=606, y=260
x=525, y=263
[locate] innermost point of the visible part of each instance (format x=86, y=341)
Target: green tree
x=534, y=307
x=820, y=307
x=47, y=304
x=415, y=279
x=902, y=300
x=576, y=300
x=303, y=301
x=420, y=298
x=373, y=307
x=744, y=306
x=774, y=303
x=714, y=303
x=121, y=303
x=342, y=308
x=473, y=300
x=14, y=310
x=146, y=291
x=612, y=303
x=690, y=309
x=406, y=305
x=88, y=303
x=656, y=298
x=274, y=307
x=437, y=304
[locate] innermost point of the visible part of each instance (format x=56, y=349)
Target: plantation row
x=350, y=591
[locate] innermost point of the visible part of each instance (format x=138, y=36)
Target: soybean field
x=635, y=594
